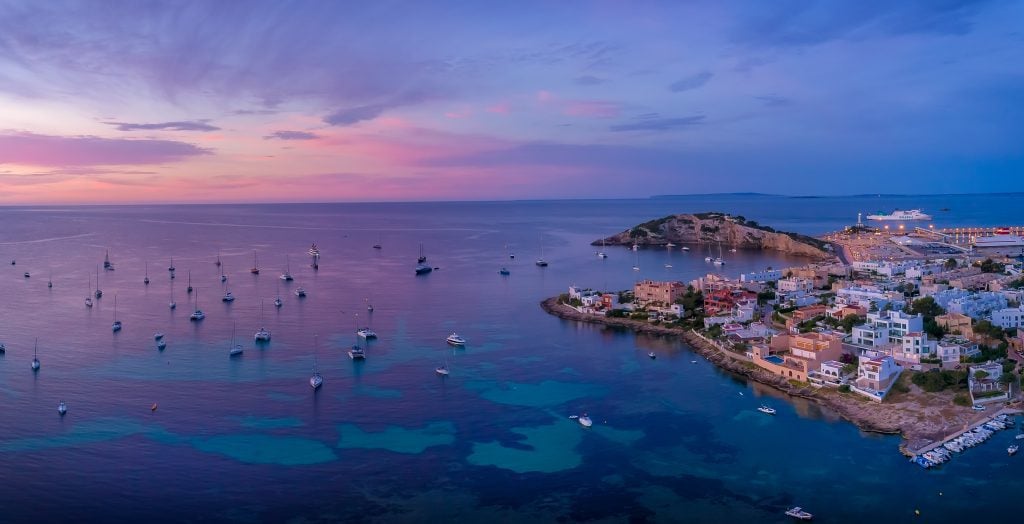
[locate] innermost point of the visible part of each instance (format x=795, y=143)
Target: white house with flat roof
x=876, y=375
x=914, y=346
x=1009, y=318
x=766, y=275
x=886, y=327
x=973, y=304
x=867, y=295
x=951, y=349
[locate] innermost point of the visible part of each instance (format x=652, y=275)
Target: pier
x=988, y=418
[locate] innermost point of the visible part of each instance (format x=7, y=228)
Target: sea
x=190, y=434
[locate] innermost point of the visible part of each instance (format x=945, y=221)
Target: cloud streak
x=291, y=135
x=193, y=125
x=690, y=82
x=660, y=124
x=63, y=151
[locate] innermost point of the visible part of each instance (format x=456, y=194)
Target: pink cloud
x=60, y=151
x=545, y=96
x=591, y=108
x=459, y=113
x=501, y=108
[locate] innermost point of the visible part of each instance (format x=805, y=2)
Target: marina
x=940, y=452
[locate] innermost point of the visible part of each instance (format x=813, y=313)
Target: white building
x=914, y=346
x=795, y=285
x=1008, y=318
x=767, y=275
x=983, y=382
x=865, y=296
x=876, y=375
x=886, y=327
x=952, y=349
x=885, y=267
x=970, y=303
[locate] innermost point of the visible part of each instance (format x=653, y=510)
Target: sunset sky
x=243, y=101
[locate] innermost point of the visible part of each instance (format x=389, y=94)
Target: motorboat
x=356, y=353
x=316, y=380
x=541, y=262
x=161, y=345
x=652, y=355
x=456, y=340
x=585, y=421
x=504, y=272
x=442, y=370
x=798, y=513
x=366, y=333
x=62, y=408
x=1011, y=450
x=158, y=336
x=684, y=248
x=27, y=275
x=766, y=410
x=197, y=315
x=300, y=292
x=228, y=297
x=3, y=349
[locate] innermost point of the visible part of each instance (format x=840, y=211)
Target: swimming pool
x=774, y=359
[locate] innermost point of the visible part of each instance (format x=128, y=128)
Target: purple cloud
x=352, y=115
x=690, y=82
x=660, y=124
x=588, y=80
x=292, y=135
x=63, y=151
x=195, y=125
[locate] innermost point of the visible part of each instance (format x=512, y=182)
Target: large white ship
x=1001, y=238
x=910, y=214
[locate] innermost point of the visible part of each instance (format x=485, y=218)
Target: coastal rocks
x=713, y=228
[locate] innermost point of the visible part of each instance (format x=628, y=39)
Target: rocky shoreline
x=920, y=419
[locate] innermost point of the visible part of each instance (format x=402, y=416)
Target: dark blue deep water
x=388, y=440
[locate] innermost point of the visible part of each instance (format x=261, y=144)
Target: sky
x=316, y=101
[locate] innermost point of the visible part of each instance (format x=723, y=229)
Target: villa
x=876, y=375
x=795, y=356
x=886, y=327
x=650, y=291
x=983, y=382
x=952, y=349
x=1009, y=318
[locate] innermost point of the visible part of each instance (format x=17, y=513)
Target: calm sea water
x=387, y=440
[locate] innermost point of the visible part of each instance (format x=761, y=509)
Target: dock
x=928, y=447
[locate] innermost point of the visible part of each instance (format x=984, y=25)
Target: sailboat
x=217, y=263
x=377, y=245
x=277, y=301
x=365, y=332
x=189, y=288
x=262, y=335
x=88, y=295
x=171, y=267
x=317, y=379
x=540, y=261
x=107, y=266
x=314, y=252
x=287, y=275
x=198, y=313
x=236, y=349
x=99, y=292
x=35, y=356
x=255, y=270
x=443, y=368
x=223, y=277
x=172, y=304
x=636, y=265
x=708, y=258
x=602, y=254
x=369, y=306
x=719, y=261
x=116, y=326
x=422, y=268
x=146, y=280
x=49, y=280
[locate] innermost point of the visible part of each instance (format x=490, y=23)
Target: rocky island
x=712, y=228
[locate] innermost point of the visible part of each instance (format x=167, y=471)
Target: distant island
x=731, y=231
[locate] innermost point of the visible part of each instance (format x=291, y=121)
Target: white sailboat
x=49, y=280
x=317, y=379
x=236, y=349
x=442, y=370
x=602, y=254
x=287, y=275
x=88, y=295
x=636, y=263
x=107, y=266
x=541, y=262
x=719, y=261
x=223, y=277
x=35, y=356
x=255, y=270
x=708, y=258
x=172, y=304
x=217, y=263
x=189, y=288
x=262, y=335
x=116, y=325
x=277, y=301
x=198, y=313
x=146, y=280
x=99, y=292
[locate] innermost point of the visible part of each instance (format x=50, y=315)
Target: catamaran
x=161, y=345
x=300, y=292
x=236, y=349
x=366, y=333
x=356, y=353
x=287, y=275
x=198, y=313
x=35, y=356
x=116, y=326
x=262, y=335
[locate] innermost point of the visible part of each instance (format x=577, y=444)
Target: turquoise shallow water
x=387, y=440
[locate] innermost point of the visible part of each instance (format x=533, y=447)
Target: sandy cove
x=920, y=418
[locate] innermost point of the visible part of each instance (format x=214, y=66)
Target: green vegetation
x=988, y=329
x=1016, y=283
x=845, y=388
x=764, y=296
x=989, y=394
x=962, y=399
x=849, y=321
x=935, y=380
x=928, y=309
x=715, y=331
x=990, y=353
x=950, y=264
x=849, y=369
x=616, y=313
x=989, y=266
x=980, y=374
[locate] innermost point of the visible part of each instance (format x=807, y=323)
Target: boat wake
x=42, y=240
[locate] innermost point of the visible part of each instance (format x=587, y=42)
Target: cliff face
x=712, y=228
